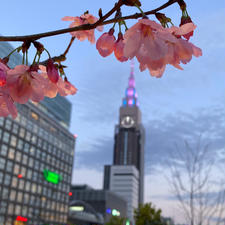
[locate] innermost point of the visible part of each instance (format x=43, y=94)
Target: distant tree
x=201, y=200
x=147, y=214
x=115, y=220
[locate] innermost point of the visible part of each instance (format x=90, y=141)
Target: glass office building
x=36, y=160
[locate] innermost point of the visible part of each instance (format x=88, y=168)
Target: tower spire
x=130, y=99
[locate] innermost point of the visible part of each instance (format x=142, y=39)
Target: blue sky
x=181, y=105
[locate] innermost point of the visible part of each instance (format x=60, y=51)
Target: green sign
x=52, y=177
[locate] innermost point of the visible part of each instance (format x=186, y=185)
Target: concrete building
x=124, y=181
x=106, y=203
x=36, y=160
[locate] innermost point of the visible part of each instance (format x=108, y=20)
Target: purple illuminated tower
x=130, y=134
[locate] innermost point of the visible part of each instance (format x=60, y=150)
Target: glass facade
x=29, y=145
x=36, y=141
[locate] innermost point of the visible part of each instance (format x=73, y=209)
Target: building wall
x=101, y=200
x=28, y=145
x=124, y=181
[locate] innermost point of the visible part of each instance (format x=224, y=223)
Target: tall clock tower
x=130, y=134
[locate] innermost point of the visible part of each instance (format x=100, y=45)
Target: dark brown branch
x=68, y=48
x=86, y=26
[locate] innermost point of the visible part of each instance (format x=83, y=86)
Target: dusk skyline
x=180, y=105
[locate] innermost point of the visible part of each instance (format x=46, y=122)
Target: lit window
x=20, y=196
x=13, y=141
x=22, y=132
x=14, y=182
x=12, y=195
x=34, y=115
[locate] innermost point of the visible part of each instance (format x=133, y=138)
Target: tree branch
x=86, y=26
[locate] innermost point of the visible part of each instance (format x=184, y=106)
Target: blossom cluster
x=24, y=83
x=153, y=45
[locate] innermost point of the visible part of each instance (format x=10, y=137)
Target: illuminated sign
x=77, y=208
x=127, y=222
x=115, y=212
x=52, y=177
x=20, y=176
x=22, y=219
x=70, y=193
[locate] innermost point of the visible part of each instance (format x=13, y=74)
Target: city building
x=124, y=181
x=36, y=160
x=104, y=202
x=129, y=140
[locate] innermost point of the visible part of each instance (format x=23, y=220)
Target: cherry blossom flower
x=185, y=20
x=83, y=19
x=3, y=69
x=147, y=40
x=25, y=83
x=64, y=88
x=52, y=71
x=105, y=44
x=155, y=46
x=7, y=106
x=118, y=49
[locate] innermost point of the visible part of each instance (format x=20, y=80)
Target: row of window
x=40, y=142
x=32, y=122
x=31, y=168
x=42, y=161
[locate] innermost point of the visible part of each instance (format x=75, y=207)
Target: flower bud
x=52, y=71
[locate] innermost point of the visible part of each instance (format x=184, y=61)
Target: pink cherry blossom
x=7, y=106
x=118, y=49
x=52, y=71
x=105, y=43
x=147, y=40
x=25, y=83
x=3, y=69
x=83, y=19
x=64, y=88
x=185, y=20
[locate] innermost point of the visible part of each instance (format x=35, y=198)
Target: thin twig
x=86, y=26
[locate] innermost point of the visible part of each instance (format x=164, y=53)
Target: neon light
x=20, y=218
x=108, y=211
x=77, y=208
x=127, y=222
x=124, y=102
x=70, y=193
x=20, y=176
x=130, y=102
x=115, y=212
x=52, y=177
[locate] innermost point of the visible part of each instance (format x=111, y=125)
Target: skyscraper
x=36, y=159
x=129, y=142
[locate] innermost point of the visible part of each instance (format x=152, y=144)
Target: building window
x=5, y=193
x=21, y=184
x=2, y=163
x=15, y=128
x=9, y=166
x=8, y=124
x=12, y=195
x=6, y=137
x=19, y=196
x=4, y=150
x=13, y=141
x=28, y=136
x=7, y=180
x=18, y=156
x=22, y=132
x=11, y=153
x=20, y=144
x=18, y=210
x=14, y=181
